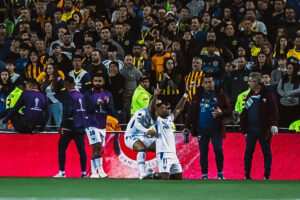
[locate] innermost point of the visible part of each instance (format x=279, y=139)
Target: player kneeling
x=139, y=137
x=168, y=164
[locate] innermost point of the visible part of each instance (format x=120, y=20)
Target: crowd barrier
x=26, y=155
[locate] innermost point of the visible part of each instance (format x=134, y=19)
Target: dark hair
x=114, y=63
x=55, y=45
x=70, y=80
x=79, y=14
x=99, y=75
x=70, y=21
x=32, y=82
x=11, y=61
x=92, y=44
x=47, y=80
x=112, y=48
x=295, y=80
x=76, y=56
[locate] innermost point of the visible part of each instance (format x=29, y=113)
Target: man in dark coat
x=259, y=120
x=205, y=119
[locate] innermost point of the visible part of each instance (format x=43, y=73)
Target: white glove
x=274, y=130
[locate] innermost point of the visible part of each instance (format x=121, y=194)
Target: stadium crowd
x=136, y=44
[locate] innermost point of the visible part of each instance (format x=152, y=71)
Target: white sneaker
x=95, y=175
x=102, y=174
x=147, y=175
x=60, y=175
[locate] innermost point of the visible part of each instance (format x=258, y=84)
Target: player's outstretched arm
x=153, y=103
x=181, y=103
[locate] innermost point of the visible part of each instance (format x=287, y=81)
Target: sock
x=141, y=157
x=98, y=161
x=83, y=173
x=93, y=166
x=62, y=172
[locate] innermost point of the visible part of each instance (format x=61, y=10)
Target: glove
x=274, y=130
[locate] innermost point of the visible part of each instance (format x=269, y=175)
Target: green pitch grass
x=131, y=189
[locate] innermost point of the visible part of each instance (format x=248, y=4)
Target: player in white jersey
x=140, y=138
x=168, y=164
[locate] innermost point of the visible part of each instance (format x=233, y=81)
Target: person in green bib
x=141, y=96
x=12, y=99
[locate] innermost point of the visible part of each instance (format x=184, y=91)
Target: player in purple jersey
x=99, y=103
x=72, y=126
x=34, y=106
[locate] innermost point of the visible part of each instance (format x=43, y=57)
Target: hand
x=157, y=90
x=61, y=131
x=166, y=76
x=217, y=112
x=106, y=99
x=120, y=91
x=152, y=133
x=1, y=123
x=100, y=101
x=274, y=130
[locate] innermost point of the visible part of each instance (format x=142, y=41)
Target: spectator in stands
x=61, y=33
x=194, y=78
x=281, y=47
x=11, y=66
x=57, y=23
x=81, y=77
x=49, y=35
x=6, y=87
x=257, y=26
x=125, y=40
x=280, y=71
x=96, y=67
x=105, y=36
x=141, y=95
x=41, y=17
x=289, y=91
x=170, y=83
x=140, y=59
x=213, y=63
x=206, y=118
x=53, y=86
x=158, y=59
x=237, y=82
x=198, y=35
x=116, y=87
x=72, y=127
x=259, y=121
x=88, y=48
x=293, y=55
x=69, y=9
x=262, y=63
x=67, y=47
x=132, y=76
x=23, y=59
x=35, y=111
x=63, y=62
x=112, y=56
x=34, y=66
x=266, y=79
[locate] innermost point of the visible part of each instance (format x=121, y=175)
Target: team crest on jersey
x=128, y=157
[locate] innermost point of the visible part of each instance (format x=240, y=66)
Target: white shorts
x=168, y=163
x=96, y=135
x=130, y=140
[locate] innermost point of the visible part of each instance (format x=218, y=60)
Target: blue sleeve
x=86, y=83
x=15, y=109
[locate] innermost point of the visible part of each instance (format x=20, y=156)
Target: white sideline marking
x=67, y=198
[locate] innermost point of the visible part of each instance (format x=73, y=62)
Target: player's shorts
x=96, y=135
x=168, y=163
x=130, y=140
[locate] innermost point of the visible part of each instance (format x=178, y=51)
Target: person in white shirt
x=168, y=163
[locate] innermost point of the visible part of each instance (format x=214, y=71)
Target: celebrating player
x=168, y=164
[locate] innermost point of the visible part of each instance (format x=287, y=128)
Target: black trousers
x=63, y=144
x=265, y=145
x=217, y=143
x=20, y=126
